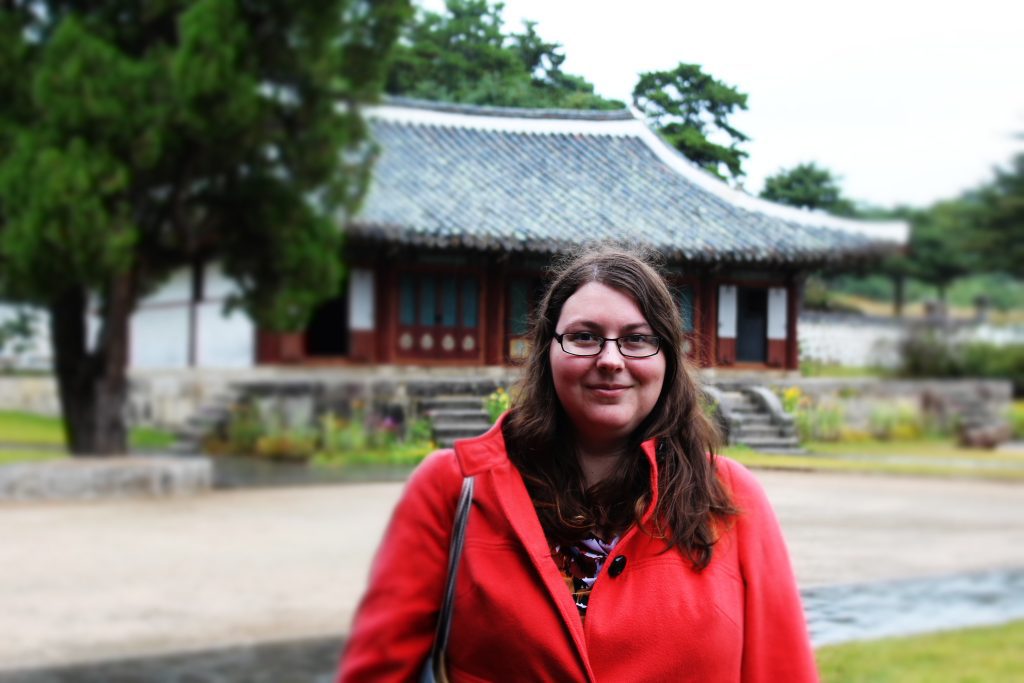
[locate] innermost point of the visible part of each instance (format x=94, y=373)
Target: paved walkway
x=109, y=580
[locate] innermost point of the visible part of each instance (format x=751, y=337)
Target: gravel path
x=230, y=569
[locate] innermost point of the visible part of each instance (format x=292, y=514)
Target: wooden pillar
x=796, y=285
x=493, y=330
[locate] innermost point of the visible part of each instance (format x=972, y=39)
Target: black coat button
x=618, y=564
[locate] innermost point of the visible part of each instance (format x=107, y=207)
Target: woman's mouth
x=608, y=390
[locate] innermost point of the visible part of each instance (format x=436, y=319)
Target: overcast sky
x=909, y=102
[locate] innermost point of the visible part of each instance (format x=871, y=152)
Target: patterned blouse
x=580, y=564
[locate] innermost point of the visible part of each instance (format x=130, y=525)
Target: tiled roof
x=451, y=176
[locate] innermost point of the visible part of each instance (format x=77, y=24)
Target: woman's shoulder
x=738, y=480
x=439, y=465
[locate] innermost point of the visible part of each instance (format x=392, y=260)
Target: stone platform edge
x=81, y=478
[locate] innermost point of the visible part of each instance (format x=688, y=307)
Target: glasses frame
x=603, y=340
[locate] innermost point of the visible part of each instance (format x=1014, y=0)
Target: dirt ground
x=103, y=580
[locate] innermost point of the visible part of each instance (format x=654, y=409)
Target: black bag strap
x=454, y=553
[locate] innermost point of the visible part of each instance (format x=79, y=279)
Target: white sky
x=907, y=101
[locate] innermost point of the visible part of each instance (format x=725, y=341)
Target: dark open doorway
x=327, y=333
x=751, y=325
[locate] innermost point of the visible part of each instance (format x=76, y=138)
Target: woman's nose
x=610, y=356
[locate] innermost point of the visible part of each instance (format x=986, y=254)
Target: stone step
x=776, y=442
x=749, y=431
x=757, y=419
x=451, y=403
x=448, y=415
x=470, y=428
x=795, y=450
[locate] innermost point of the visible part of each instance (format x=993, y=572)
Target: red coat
x=738, y=620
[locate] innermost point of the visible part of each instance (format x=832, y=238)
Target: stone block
x=110, y=477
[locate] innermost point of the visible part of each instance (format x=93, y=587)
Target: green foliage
x=929, y=353
x=689, y=108
x=814, y=421
x=896, y=422
x=1000, y=237
x=140, y=138
x=1016, y=418
x=994, y=653
x=940, y=238
x=294, y=444
x=244, y=429
x=359, y=437
x=464, y=55
x=996, y=362
x=497, y=403
x=808, y=186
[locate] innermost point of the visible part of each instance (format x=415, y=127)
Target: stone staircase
x=455, y=417
x=753, y=416
x=188, y=439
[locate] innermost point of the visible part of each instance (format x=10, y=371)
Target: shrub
x=245, y=428
x=496, y=403
x=1017, y=419
x=290, y=444
x=928, y=353
x=896, y=423
x=819, y=423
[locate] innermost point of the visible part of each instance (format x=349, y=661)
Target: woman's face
x=605, y=396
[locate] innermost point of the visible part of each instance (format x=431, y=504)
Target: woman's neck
x=598, y=463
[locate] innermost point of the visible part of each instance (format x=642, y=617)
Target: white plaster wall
x=175, y=290
x=856, y=343
x=159, y=337
x=160, y=326
x=224, y=340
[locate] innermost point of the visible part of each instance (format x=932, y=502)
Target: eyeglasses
x=587, y=344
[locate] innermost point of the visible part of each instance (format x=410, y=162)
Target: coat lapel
x=479, y=455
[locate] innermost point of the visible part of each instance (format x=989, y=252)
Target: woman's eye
x=634, y=339
x=582, y=337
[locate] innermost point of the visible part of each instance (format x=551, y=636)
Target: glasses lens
x=638, y=345
x=581, y=344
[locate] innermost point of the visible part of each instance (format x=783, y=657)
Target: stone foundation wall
x=94, y=478
x=168, y=399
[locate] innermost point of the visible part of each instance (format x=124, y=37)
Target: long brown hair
x=539, y=437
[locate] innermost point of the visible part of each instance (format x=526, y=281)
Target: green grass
x=977, y=655
x=923, y=457
x=150, y=438
x=19, y=429
x=9, y=457
x=26, y=428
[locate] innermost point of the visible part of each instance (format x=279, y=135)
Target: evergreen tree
x=465, y=55
x=808, y=186
x=137, y=138
x=689, y=108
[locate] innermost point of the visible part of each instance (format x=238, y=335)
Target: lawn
x=990, y=655
x=26, y=428
x=25, y=436
x=931, y=457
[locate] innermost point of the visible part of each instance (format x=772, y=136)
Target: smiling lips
x=608, y=390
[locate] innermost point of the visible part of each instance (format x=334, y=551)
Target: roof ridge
x=623, y=114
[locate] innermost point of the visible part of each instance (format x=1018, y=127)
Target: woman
x=605, y=541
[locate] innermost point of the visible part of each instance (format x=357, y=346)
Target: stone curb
x=110, y=477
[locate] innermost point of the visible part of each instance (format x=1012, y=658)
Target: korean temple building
x=467, y=207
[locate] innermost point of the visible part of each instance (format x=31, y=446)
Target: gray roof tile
x=453, y=183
